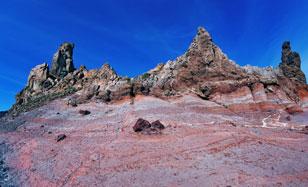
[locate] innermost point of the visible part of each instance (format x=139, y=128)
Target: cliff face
x=203, y=70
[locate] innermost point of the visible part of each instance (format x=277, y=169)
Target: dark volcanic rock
x=84, y=112
x=146, y=127
x=157, y=125
x=61, y=137
x=291, y=64
x=141, y=125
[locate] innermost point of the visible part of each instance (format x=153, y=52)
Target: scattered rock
x=84, y=112
x=72, y=102
x=157, y=125
x=141, y=125
x=61, y=137
x=288, y=118
x=145, y=127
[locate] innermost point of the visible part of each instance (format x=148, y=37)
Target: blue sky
x=135, y=35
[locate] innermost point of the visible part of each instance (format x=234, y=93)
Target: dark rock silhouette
x=61, y=137
x=84, y=112
x=291, y=64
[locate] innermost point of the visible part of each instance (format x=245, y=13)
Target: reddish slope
x=204, y=143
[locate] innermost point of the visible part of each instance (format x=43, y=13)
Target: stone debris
x=60, y=137
x=145, y=127
x=157, y=125
x=84, y=112
x=141, y=125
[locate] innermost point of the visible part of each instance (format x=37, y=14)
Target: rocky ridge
x=203, y=70
x=199, y=119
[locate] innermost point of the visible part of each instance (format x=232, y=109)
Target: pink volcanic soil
x=204, y=143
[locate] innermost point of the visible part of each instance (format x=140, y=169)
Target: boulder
x=157, y=125
x=84, y=112
x=145, y=127
x=141, y=125
x=60, y=137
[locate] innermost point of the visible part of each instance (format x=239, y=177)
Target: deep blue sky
x=135, y=35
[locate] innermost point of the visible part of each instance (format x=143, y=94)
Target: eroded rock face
x=62, y=62
x=38, y=75
x=291, y=64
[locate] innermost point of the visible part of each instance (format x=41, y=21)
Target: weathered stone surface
x=62, y=62
x=37, y=77
x=291, y=64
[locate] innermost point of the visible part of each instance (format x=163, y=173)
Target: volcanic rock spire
x=291, y=64
x=62, y=62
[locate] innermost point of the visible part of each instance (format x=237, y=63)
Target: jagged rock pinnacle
x=62, y=62
x=203, y=32
x=291, y=64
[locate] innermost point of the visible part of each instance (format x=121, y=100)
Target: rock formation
x=203, y=70
x=223, y=124
x=291, y=64
x=62, y=62
x=37, y=77
x=44, y=85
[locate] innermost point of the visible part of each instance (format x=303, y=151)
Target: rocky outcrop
x=203, y=70
x=62, y=62
x=45, y=85
x=291, y=64
x=37, y=78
